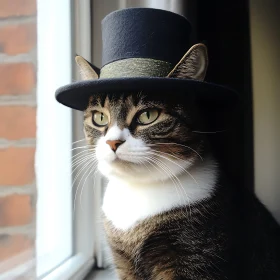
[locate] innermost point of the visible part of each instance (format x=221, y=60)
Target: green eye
x=148, y=116
x=99, y=119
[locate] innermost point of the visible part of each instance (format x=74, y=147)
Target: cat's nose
x=114, y=144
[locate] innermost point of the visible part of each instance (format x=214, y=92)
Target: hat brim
x=76, y=95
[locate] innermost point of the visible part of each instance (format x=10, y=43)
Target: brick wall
x=17, y=135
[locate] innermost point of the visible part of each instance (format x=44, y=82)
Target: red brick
x=17, y=8
x=16, y=39
x=12, y=245
x=15, y=210
x=17, y=166
x=19, y=122
x=17, y=78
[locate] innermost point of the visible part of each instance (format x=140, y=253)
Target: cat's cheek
x=105, y=168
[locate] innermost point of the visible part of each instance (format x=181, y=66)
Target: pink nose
x=114, y=144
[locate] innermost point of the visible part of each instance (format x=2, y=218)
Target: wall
x=17, y=135
x=265, y=42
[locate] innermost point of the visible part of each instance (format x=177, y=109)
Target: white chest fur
x=125, y=203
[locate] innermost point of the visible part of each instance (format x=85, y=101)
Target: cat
x=169, y=211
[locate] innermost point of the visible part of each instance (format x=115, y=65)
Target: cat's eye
x=99, y=118
x=148, y=116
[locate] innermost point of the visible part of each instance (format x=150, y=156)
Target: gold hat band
x=136, y=67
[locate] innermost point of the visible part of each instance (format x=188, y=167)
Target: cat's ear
x=193, y=65
x=87, y=72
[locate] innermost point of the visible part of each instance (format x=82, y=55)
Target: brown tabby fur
x=227, y=236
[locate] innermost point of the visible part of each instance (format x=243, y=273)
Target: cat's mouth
x=140, y=167
x=121, y=161
x=118, y=160
x=120, y=167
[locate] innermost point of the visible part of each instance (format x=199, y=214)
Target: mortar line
x=18, y=102
x=13, y=20
x=24, y=229
x=24, y=142
x=29, y=57
x=31, y=96
x=18, y=190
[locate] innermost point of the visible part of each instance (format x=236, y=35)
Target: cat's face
x=141, y=137
x=146, y=137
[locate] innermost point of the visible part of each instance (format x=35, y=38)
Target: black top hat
x=145, y=50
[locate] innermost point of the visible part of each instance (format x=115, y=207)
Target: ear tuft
x=87, y=72
x=193, y=65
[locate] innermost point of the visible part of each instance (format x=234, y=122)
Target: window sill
x=74, y=268
x=104, y=274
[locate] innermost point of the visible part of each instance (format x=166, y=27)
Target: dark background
x=224, y=27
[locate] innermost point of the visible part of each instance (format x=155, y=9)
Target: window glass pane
x=53, y=157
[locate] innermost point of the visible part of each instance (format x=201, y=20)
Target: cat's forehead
x=122, y=106
x=124, y=101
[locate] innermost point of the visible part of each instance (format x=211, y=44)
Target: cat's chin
x=126, y=171
x=136, y=172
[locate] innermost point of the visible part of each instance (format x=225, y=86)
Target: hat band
x=136, y=67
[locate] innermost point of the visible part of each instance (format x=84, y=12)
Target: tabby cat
x=169, y=211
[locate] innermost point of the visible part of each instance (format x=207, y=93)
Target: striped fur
x=203, y=229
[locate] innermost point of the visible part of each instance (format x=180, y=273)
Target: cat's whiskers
x=85, y=151
x=81, y=167
x=85, y=163
x=148, y=159
x=81, y=157
x=84, y=139
x=88, y=162
x=93, y=169
x=94, y=178
x=179, y=182
x=179, y=145
x=144, y=163
x=156, y=162
x=181, y=167
x=84, y=147
x=168, y=154
x=152, y=161
x=176, y=181
x=78, y=162
x=82, y=154
x=209, y=132
x=88, y=166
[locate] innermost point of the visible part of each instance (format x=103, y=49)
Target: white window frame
x=53, y=153
x=80, y=260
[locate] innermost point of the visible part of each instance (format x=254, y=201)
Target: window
x=70, y=243
x=53, y=158
x=64, y=246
